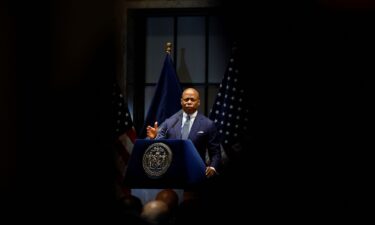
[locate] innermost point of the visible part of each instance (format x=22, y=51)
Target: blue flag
x=167, y=96
x=231, y=110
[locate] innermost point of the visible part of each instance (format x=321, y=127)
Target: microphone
x=175, y=122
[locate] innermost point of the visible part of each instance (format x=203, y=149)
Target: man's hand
x=152, y=131
x=210, y=171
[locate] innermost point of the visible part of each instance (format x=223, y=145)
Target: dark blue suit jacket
x=203, y=134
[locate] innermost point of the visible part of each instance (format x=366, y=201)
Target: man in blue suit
x=189, y=124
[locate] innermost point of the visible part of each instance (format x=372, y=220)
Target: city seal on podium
x=156, y=160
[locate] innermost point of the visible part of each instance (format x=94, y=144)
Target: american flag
x=124, y=134
x=231, y=110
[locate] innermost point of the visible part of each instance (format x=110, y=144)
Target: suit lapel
x=194, y=129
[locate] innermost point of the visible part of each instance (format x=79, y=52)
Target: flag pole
x=168, y=47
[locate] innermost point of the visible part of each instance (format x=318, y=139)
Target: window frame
x=135, y=79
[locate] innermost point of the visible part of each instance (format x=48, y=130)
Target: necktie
x=185, y=128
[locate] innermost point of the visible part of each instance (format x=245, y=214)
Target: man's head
x=155, y=212
x=190, y=100
x=168, y=196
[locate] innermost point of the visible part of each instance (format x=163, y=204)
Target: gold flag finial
x=168, y=47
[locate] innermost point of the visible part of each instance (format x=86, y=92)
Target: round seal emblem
x=157, y=159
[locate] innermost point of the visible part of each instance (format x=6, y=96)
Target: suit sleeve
x=162, y=133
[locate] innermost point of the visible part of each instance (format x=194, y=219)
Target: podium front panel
x=164, y=164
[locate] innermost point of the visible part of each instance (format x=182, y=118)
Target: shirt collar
x=192, y=116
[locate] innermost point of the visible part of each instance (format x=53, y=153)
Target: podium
x=169, y=163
